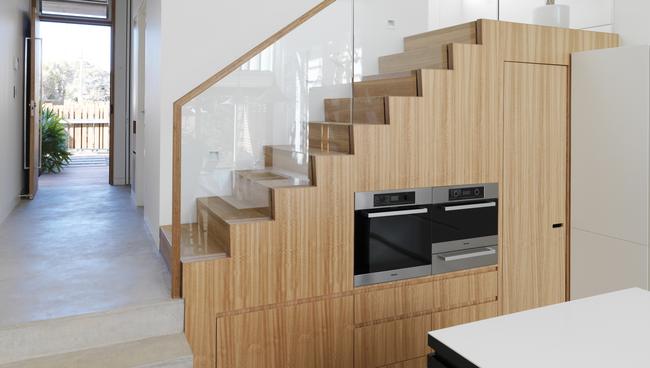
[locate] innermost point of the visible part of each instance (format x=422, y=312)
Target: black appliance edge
x=446, y=357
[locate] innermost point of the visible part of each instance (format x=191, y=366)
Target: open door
x=32, y=131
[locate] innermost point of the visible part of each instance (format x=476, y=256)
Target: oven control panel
x=392, y=199
x=456, y=194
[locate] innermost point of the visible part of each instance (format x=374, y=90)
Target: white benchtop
x=609, y=330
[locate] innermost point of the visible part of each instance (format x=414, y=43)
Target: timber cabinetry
x=313, y=334
x=535, y=185
x=278, y=291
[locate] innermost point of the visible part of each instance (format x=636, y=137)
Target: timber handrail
x=177, y=122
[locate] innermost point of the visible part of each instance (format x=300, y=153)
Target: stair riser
x=62, y=335
x=406, y=85
x=367, y=110
x=332, y=138
x=285, y=160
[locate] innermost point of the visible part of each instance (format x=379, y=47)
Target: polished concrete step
x=62, y=335
x=169, y=351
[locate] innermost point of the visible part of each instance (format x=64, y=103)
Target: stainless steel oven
x=392, y=235
x=465, y=221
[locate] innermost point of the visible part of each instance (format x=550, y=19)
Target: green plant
x=54, y=151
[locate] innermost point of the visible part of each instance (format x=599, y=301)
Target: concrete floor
x=80, y=246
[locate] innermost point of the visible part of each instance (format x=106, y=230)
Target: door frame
x=136, y=110
x=95, y=22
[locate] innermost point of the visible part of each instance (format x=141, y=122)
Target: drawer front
x=427, y=296
x=420, y=362
x=468, y=314
x=391, y=342
x=467, y=290
x=314, y=334
x=403, y=343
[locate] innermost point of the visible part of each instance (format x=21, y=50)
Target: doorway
x=75, y=103
x=76, y=106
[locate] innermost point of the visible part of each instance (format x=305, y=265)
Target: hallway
x=78, y=247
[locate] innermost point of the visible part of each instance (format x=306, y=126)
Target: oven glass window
x=451, y=223
x=392, y=242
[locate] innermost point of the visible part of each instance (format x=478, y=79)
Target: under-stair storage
x=270, y=151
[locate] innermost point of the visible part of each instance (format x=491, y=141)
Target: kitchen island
x=609, y=330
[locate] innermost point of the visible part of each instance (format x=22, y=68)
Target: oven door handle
x=472, y=254
x=398, y=213
x=470, y=206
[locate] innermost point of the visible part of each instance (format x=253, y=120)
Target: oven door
x=392, y=244
x=464, y=225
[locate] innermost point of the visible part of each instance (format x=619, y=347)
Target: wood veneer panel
x=318, y=334
x=467, y=314
x=549, y=45
x=397, y=84
x=425, y=58
x=420, y=362
x=392, y=342
x=535, y=185
x=367, y=110
x=461, y=33
x=427, y=296
x=451, y=134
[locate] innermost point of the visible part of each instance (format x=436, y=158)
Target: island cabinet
x=375, y=326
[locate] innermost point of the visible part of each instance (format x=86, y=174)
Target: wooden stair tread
x=230, y=214
x=378, y=77
x=460, y=33
x=412, y=60
x=330, y=123
x=403, y=83
x=311, y=152
x=196, y=245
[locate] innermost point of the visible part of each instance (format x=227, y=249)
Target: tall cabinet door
x=534, y=186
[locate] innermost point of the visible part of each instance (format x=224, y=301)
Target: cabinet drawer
x=420, y=362
x=467, y=314
x=313, y=334
x=391, y=342
x=402, y=343
x=430, y=295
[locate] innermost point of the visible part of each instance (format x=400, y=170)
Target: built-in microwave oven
x=465, y=222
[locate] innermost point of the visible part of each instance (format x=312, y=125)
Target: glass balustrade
x=249, y=132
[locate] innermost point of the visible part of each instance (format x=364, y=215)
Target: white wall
x=152, y=122
x=585, y=14
x=12, y=21
x=374, y=38
x=631, y=21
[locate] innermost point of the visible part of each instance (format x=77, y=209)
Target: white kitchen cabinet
x=610, y=166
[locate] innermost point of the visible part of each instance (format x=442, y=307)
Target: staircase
x=148, y=335
x=252, y=199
